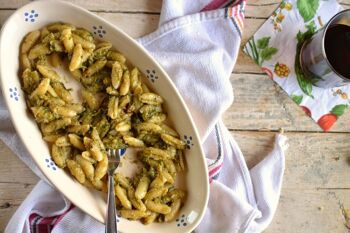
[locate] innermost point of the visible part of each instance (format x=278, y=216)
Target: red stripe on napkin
x=39, y=224
x=214, y=5
x=214, y=172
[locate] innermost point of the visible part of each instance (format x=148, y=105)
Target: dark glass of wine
x=325, y=57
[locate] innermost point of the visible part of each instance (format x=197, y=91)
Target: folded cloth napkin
x=197, y=43
x=276, y=47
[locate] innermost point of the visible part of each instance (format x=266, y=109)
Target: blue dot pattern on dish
x=182, y=221
x=122, y=152
x=118, y=217
x=50, y=164
x=14, y=94
x=99, y=31
x=188, y=140
x=151, y=75
x=30, y=16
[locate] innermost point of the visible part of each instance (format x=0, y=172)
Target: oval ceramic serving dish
x=40, y=13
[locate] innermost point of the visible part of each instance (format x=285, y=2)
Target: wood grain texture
x=6, y=211
x=154, y=6
x=261, y=104
x=316, y=184
x=16, y=182
x=310, y=211
x=313, y=160
x=145, y=6
x=13, y=170
x=142, y=23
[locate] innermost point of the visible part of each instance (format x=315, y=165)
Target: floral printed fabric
x=276, y=48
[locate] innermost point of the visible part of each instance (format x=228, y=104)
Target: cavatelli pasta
x=117, y=111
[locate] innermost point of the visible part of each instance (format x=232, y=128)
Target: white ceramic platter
x=40, y=13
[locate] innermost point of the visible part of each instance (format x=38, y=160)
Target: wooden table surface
x=316, y=187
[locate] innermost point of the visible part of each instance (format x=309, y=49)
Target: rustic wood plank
x=263, y=9
x=6, y=212
x=101, y=5
x=142, y=24
x=244, y=63
x=16, y=182
x=4, y=14
x=154, y=6
x=308, y=210
x=261, y=104
x=10, y=194
x=313, y=160
x=13, y=170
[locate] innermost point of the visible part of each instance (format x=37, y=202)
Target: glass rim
x=329, y=23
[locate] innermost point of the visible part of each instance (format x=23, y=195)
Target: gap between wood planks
x=130, y=12
x=7, y=205
x=327, y=188
x=274, y=4
x=26, y=185
x=249, y=3
x=287, y=131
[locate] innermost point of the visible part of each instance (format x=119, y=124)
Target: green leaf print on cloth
x=276, y=48
x=297, y=99
x=263, y=42
x=260, y=50
x=327, y=120
x=304, y=81
x=339, y=110
x=308, y=8
x=267, y=53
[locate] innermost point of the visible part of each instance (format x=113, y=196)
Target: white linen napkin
x=197, y=44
